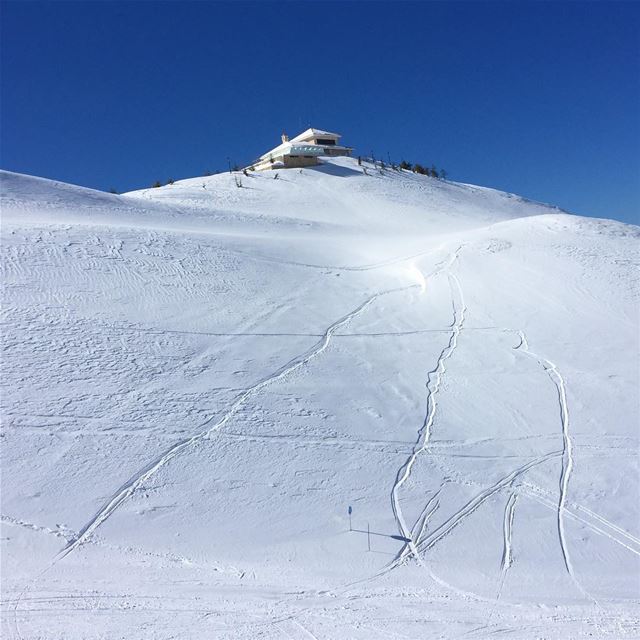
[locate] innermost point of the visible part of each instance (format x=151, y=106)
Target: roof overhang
x=315, y=133
x=290, y=148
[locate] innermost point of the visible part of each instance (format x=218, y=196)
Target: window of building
x=327, y=142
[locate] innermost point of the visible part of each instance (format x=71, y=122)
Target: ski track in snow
x=626, y=539
x=469, y=507
x=607, y=523
x=434, y=380
x=417, y=532
x=423, y=520
x=567, y=452
x=126, y=490
x=418, y=547
x=507, y=550
x=567, y=462
x=507, y=553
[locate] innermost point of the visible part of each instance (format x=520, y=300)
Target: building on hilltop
x=302, y=151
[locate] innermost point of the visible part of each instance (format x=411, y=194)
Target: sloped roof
x=311, y=132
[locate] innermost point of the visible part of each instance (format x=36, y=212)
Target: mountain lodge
x=302, y=151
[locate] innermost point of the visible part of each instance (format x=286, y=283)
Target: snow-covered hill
x=200, y=380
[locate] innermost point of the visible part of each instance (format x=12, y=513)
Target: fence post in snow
x=350, y=512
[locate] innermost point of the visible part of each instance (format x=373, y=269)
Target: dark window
x=292, y=156
x=308, y=156
x=327, y=142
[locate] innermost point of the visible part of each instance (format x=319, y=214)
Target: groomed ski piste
x=200, y=379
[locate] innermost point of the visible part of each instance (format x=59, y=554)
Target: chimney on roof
x=285, y=137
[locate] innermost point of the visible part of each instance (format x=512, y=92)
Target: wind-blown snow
x=200, y=379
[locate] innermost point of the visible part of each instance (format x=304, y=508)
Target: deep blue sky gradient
x=541, y=99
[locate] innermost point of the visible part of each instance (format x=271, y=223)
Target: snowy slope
x=200, y=379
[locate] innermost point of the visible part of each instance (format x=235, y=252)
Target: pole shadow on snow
x=384, y=535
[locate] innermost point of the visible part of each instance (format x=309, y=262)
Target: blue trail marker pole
x=350, y=512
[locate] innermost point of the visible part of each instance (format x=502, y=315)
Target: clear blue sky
x=541, y=99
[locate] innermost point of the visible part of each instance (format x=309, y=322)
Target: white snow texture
x=199, y=380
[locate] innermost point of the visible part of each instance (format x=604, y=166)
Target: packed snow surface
x=201, y=379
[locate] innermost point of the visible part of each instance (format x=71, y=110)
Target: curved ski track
x=507, y=553
x=127, y=489
x=424, y=434
x=567, y=451
x=567, y=460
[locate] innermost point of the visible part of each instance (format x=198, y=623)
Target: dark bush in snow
x=418, y=168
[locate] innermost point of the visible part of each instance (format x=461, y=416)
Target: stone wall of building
x=299, y=161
